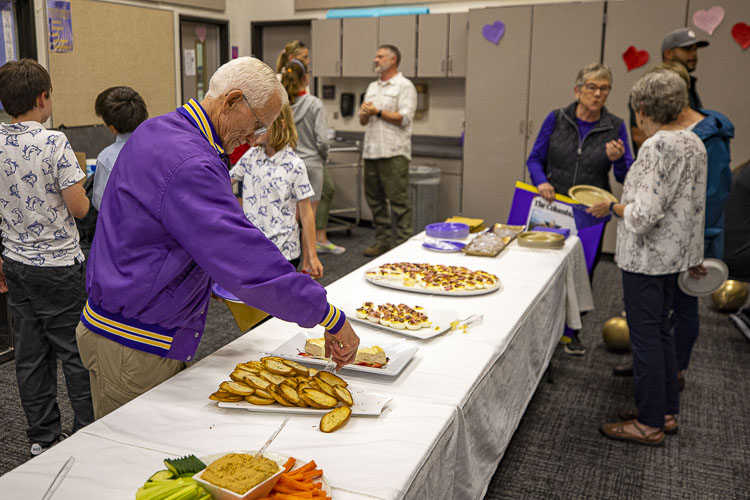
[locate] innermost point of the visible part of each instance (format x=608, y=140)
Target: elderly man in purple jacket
x=168, y=225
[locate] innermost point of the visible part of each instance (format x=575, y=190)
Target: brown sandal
x=617, y=431
x=670, y=421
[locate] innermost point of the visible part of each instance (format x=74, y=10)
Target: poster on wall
x=7, y=33
x=60, y=26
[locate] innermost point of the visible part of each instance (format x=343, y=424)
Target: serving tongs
x=466, y=323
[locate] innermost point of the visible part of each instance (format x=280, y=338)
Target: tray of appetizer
x=404, y=320
x=308, y=347
x=433, y=279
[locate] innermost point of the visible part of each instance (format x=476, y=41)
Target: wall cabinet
x=626, y=25
x=442, y=45
x=326, y=47
x=400, y=31
x=360, y=42
x=497, y=86
x=458, y=40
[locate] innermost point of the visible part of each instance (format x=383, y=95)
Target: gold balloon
x=730, y=296
x=616, y=333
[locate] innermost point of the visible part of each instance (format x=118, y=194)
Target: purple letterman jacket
x=168, y=224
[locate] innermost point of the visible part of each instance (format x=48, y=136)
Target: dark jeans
x=46, y=304
x=648, y=300
x=686, y=325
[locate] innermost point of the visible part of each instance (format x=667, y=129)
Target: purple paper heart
x=494, y=32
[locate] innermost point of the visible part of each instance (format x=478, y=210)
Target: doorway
x=203, y=48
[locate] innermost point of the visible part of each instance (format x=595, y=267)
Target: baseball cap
x=683, y=37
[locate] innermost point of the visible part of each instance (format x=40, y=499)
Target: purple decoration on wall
x=494, y=32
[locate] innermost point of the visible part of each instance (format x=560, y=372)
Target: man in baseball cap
x=681, y=45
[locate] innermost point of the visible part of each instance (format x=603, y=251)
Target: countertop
x=421, y=145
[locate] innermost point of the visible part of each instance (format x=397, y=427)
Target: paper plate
x=590, y=195
x=541, y=239
x=223, y=294
x=718, y=272
x=443, y=245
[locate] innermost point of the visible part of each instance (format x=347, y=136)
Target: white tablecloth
x=454, y=408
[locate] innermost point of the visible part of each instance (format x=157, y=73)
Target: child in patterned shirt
x=42, y=266
x=275, y=187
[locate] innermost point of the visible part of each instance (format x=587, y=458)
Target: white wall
x=444, y=116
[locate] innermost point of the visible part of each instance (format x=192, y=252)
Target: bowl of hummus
x=232, y=476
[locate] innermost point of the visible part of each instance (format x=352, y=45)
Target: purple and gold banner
x=589, y=228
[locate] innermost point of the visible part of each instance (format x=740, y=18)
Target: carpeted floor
x=557, y=451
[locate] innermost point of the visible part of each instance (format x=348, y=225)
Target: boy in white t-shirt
x=42, y=267
x=274, y=187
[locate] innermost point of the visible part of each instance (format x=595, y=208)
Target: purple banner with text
x=531, y=209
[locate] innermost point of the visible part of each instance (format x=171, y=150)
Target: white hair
x=253, y=77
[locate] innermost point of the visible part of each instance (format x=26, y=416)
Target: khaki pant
x=119, y=373
x=388, y=179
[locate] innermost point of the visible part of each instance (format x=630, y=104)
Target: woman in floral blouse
x=659, y=236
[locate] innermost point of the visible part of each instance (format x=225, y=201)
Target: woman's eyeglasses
x=604, y=89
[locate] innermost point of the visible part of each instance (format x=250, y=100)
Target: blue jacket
x=716, y=131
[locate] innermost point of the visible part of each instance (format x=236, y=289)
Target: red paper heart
x=741, y=34
x=634, y=58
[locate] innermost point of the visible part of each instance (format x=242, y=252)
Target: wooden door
x=627, y=24
x=326, y=47
x=723, y=72
x=360, y=43
x=496, y=95
x=557, y=54
x=401, y=31
x=432, y=58
x=458, y=39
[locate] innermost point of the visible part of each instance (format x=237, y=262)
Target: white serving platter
x=441, y=323
x=388, y=283
x=365, y=403
x=398, y=353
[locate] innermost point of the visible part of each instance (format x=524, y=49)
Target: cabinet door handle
x=521, y=127
x=450, y=65
x=337, y=68
x=442, y=66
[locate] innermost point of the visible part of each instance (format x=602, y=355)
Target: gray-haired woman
x=660, y=235
x=581, y=144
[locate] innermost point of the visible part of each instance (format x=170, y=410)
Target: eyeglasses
x=604, y=89
x=260, y=130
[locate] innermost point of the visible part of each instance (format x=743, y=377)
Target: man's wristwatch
x=380, y=113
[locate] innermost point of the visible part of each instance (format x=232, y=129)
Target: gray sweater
x=312, y=129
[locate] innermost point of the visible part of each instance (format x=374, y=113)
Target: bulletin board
x=113, y=44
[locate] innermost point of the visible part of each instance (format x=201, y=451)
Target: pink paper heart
x=200, y=32
x=709, y=20
x=494, y=32
x=634, y=58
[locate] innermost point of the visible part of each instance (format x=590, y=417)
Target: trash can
x=424, y=186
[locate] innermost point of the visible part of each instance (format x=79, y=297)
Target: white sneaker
x=37, y=449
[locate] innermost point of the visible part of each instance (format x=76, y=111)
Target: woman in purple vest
x=580, y=144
